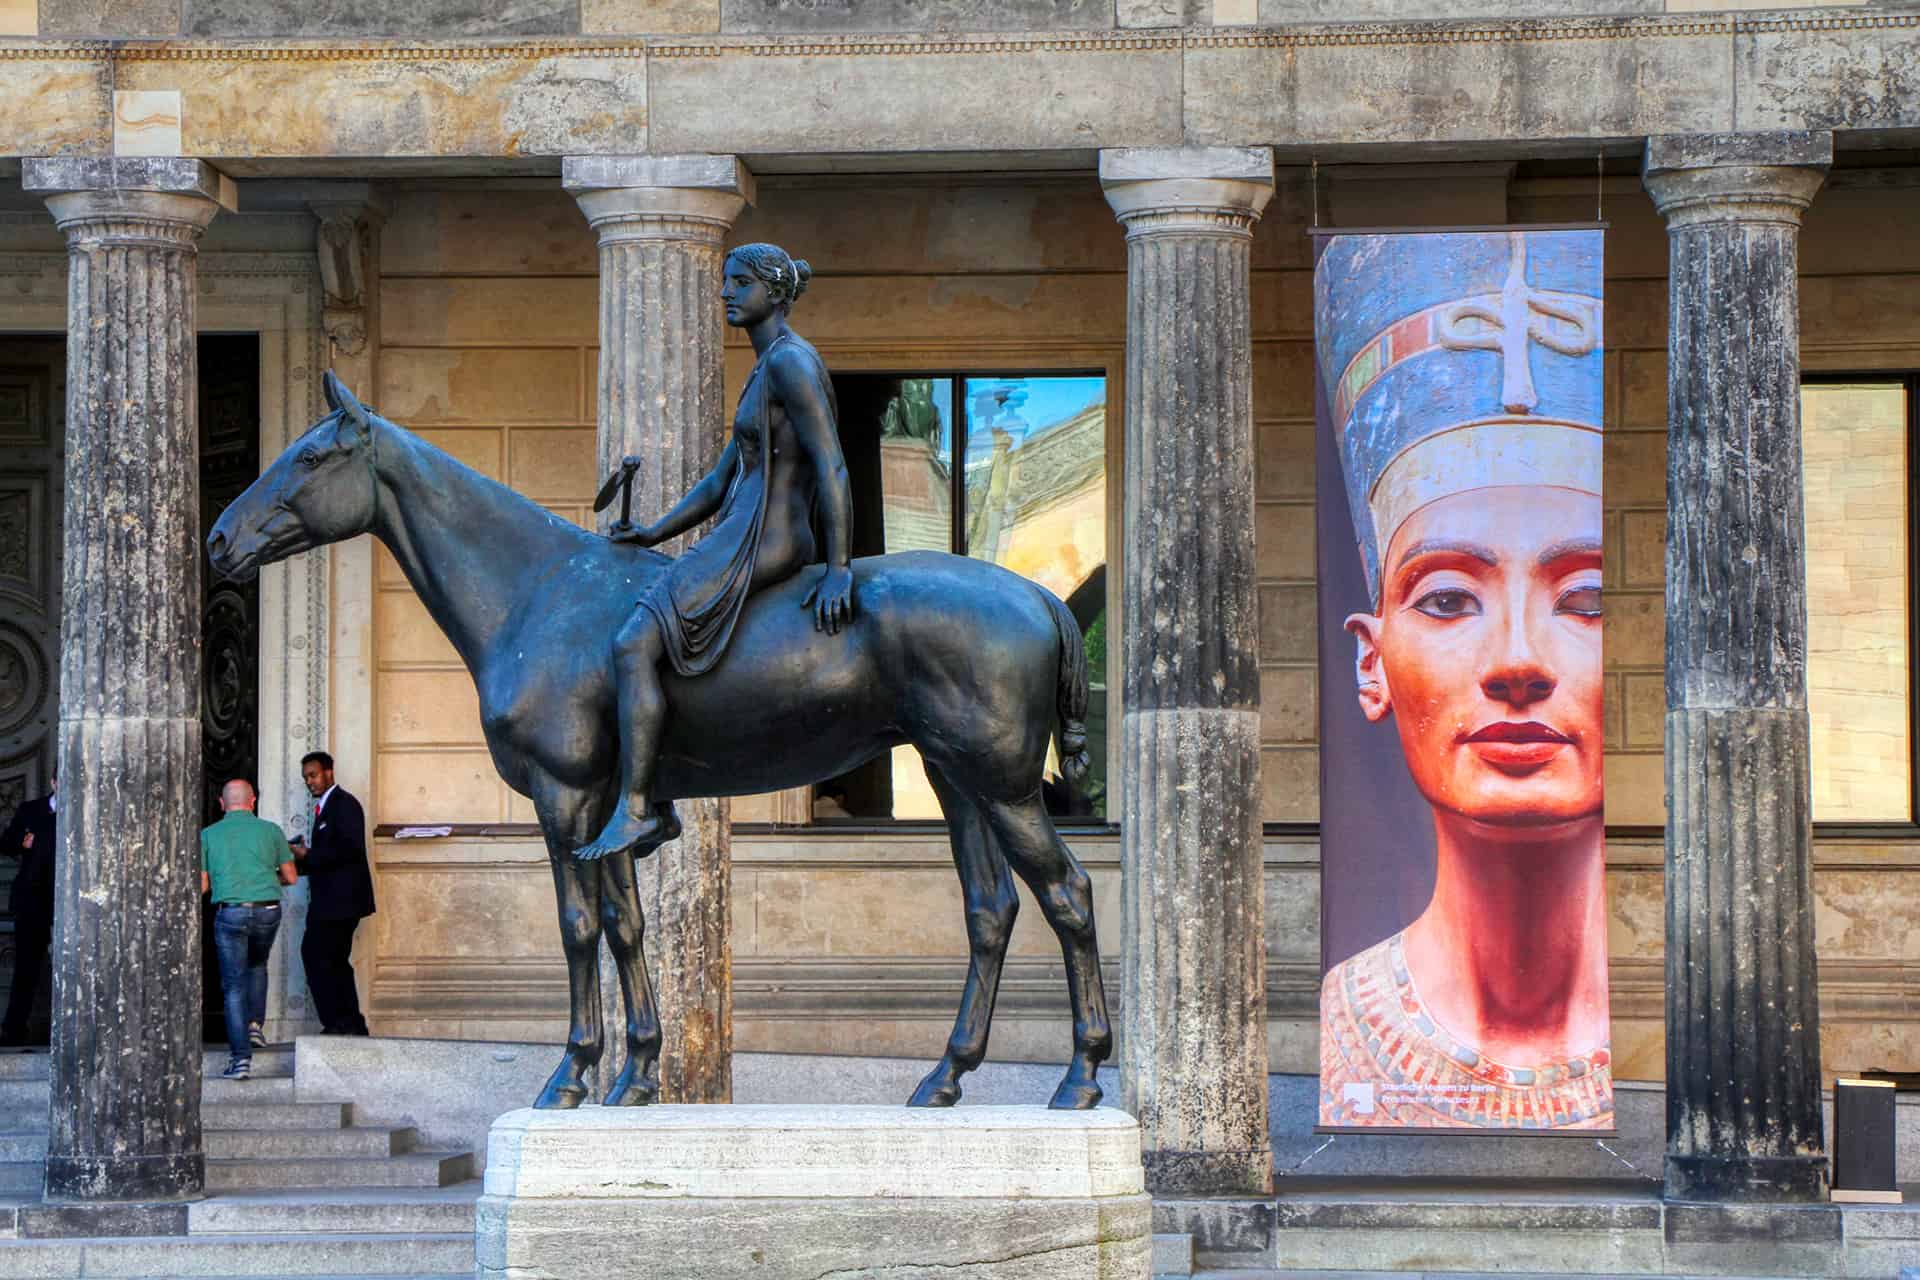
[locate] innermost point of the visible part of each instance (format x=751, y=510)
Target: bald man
x=243, y=863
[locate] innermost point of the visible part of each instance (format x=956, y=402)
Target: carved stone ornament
x=341, y=246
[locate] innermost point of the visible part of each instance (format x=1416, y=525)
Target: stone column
x=661, y=221
x=1193, y=1037
x=1743, y=1022
x=125, y=1107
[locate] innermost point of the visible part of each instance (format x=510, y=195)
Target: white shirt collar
x=326, y=795
x=53, y=801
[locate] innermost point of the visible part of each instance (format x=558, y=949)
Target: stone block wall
x=856, y=944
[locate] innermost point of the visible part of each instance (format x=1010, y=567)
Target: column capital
x=675, y=197
x=1736, y=177
x=149, y=199
x=1187, y=190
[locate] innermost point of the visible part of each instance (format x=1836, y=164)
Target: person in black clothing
x=30, y=838
x=340, y=895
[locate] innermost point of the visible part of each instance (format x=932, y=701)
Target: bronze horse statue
x=973, y=665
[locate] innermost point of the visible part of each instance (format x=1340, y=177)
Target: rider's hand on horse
x=641, y=535
x=831, y=599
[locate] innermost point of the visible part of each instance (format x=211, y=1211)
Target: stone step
x=1256, y=1274
x=268, y=1144
x=414, y=1169
x=25, y=1095
x=254, y=1143
x=273, y=1060
x=449, y=1253
x=218, y=1116
x=23, y=1066
x=367, y=1211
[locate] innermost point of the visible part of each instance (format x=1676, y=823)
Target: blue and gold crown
x=1457, y=361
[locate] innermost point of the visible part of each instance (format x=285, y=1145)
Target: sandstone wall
x=856, y=943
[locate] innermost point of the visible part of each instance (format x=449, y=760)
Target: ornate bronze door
x=33, y=415
x=230, y=619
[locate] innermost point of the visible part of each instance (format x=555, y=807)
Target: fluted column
x=661, y=221
x=1743, y=1019
x=125, y=1107
x=1193, y=1062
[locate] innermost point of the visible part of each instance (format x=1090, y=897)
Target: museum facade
x=1064, y=259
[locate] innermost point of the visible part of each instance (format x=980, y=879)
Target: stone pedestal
x=1193, y=959
x=661, y=221
x=1743, y=1018
x=125, y=1099
x=796, y=1193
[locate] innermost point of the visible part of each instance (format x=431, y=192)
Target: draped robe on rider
x=699, y=598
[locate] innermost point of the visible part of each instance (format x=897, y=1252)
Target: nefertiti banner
x=1463, y=899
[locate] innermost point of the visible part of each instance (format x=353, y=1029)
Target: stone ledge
x=835, y=1152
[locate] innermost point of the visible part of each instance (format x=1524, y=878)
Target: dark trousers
x=242, y=941
x=327, y=953
x=31, y=937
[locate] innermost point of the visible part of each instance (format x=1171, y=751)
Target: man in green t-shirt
x=243, y=862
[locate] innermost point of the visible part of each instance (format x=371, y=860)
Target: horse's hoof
x=638, y=1093
x=940, y=1089
x=1076, y=1094
x=560, y=1097
x=632, y=1088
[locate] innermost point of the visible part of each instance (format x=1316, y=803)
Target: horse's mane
x=508, y=496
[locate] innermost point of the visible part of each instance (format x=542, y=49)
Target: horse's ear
x=351, y=410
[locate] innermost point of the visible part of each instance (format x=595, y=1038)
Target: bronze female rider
x=781, y=468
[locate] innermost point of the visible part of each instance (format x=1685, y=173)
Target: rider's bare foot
x=622, y=832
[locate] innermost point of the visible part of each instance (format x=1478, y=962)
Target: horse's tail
x=1070, y=702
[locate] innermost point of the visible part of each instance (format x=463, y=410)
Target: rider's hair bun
x=805, y=274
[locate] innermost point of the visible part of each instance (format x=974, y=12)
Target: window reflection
x=1854, y=436
x=1031, y=457
x=916, y=477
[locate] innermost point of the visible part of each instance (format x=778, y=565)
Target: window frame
x=1908, y=830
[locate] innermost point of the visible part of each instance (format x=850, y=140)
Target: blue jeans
x=243, y=938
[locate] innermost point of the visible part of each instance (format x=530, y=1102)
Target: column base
x=1209, y=1173
x=87, y=1178
x=1746, y=1180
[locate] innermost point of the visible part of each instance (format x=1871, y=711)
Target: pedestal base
x=1755, y=1180
x=796, y=1193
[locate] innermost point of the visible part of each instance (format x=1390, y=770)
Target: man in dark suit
x=29, y=837
x=340, y=895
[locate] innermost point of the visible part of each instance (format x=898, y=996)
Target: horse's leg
x=637, y=652
x=576, y=887
x=625, y=927
x=991, y=904
x=1060, y=885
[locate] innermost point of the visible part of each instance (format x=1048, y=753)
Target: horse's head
x=321, y=490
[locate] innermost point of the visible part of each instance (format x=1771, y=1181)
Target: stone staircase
x=294, y=1188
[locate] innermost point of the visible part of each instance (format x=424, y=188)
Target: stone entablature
x=1325, y=89
x=532, y=19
